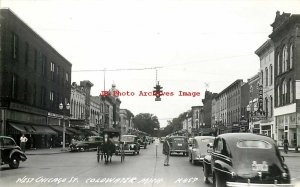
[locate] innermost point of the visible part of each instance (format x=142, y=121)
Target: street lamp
x=251, y=113
x=61, y=107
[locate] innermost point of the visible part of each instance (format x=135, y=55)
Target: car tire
x=14, y=162
x=219, y=181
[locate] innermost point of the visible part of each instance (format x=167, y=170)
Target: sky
x=186, y=45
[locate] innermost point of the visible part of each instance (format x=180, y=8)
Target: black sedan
x=84, y=145
x=129, y=145
x=11, y=154
x=245, y=158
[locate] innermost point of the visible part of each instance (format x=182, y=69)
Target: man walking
x=23, y=141
x=166, y=151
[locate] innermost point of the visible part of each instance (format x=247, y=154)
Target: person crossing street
x=166, y=152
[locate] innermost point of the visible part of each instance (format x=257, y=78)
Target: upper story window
x=15, y=46
x=35, y=59
x=51, y=96
x=67, y=77
x=267, y=76
x=262, y=78
x=284, y=92
x=271, y=74
x=284, y=58
x=52, y=68
x=44, y=65
x=26, y=52
x=291, y=56
x=278, y=95
x=278, y=63
x=291, y=91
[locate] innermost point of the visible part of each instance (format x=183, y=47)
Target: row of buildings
x=269, y=102
x=35, y=80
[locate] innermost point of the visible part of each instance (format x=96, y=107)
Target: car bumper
x=179, y=151
x=239, y=184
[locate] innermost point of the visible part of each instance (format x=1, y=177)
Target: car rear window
x=257, y=144
x=127, y=139
x=178, y=140
x=207, y=140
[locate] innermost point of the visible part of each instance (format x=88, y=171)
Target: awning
x=43, y=130
x=18, y=127
x=32, y=129
x=75, y=131
x=23, y=128
x=60, y=129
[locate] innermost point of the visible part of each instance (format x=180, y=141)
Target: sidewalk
x=291, y=152
x=46, y=151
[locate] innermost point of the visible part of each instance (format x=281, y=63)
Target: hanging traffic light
x=157, y=92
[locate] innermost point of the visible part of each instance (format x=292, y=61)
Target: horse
x=108, y=149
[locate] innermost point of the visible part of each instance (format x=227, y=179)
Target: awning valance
x=32, y=129
x=43, y=130
x=75, y=131
x=60, y=129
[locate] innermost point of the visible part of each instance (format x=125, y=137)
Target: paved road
x=81, y=169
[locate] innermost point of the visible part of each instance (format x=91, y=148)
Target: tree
x=146, y=122
x=175, y=124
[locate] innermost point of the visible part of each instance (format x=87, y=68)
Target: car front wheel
x=219, y=181
x=14, y=162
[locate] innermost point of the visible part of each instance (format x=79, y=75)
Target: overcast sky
x=196, y=44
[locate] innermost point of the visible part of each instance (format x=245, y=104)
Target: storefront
x=20, y=119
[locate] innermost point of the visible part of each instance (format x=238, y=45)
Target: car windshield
x=127, y=138
x=258, y=144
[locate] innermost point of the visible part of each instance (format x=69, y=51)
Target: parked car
x=11, y=154
x=130, y=143
x=241, y=158
x=199, y=148
x=84, y=145
x=179, y=144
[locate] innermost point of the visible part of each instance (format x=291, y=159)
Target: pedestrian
x=286, y=145
x=23, y=141
x=166, y=151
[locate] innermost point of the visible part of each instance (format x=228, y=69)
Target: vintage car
x=143, y=142
x=91, y=143
x=199, y=148
x=179, y=144
x=245, y=158
x=11, y=154
x=130, y=145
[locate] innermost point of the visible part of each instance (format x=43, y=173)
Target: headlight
x=284, y=175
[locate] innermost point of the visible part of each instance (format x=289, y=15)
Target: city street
x=81, y=169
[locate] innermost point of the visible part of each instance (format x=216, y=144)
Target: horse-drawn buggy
x=111, y=141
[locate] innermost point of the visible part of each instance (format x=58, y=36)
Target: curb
x=46, y=153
